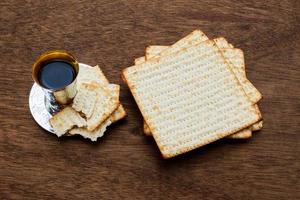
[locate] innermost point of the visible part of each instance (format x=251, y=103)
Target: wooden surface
x=124, y=164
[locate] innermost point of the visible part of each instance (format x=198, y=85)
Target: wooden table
x=125, y=164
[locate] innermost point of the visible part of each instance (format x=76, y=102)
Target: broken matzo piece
x=107, y=102
x=92, y=135
x=65, y=120
x=91, y=74
x=95, y=74
x=85, y=98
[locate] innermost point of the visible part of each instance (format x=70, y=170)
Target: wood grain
x=125, y=164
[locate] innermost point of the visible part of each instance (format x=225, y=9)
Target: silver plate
x=38, y=109
x=37, y=106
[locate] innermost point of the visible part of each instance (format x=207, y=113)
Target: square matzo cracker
x=190, y=98
x=233, y=56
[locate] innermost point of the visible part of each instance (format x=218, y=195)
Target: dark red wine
x=56, y=74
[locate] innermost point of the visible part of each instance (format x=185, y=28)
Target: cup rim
x=51, y=55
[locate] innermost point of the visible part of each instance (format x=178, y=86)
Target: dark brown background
x=124, y=164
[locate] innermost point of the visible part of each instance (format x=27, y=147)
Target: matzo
x=253, y=94
x=92, y=135
x=139, y=60
x=91, y=74
x=243, y=134
x=65, y=120
x=106, y=103
x=198, y=36
x=234, y=56
x=154, y=50
x=195, y=38
x=222, y=43
x=95, y=74
x=190, y=98
x=85, y=98
x=257, y=126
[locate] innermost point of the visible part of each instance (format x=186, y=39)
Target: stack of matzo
x=194, y=92
x=95, y=106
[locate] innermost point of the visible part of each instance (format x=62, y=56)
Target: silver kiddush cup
x=55, y=99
